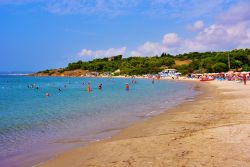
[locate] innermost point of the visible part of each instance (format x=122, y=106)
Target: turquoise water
x=33, y=127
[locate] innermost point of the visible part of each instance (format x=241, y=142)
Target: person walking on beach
x=244, y=77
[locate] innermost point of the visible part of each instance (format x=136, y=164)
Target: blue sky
x=44, y=34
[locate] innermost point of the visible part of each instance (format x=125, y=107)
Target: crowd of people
x=229, y=76
x=87, y=87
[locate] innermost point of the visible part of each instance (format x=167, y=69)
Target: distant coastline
x=19, y=73
x=58, y=73
x=16, y=74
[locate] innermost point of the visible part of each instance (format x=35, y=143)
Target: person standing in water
x=127, y=87
x=88, y=88
x=153, y=81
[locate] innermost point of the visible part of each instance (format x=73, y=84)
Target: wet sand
x=213, y=130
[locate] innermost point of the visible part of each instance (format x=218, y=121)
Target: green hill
x=195, y=62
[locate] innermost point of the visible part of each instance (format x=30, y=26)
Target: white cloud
x=85, y=52
x=149, y=49
x=86, y=7
x=215, y=37
x=159, y=8
x=187, y=9
x=103, y=7
x=170, y=39
x=197, y=26
x=237, y=13
x=219, y=37
x=231, y=30
x=225, y=34
x=102, y=53
x=228, y=33
x=212, y=38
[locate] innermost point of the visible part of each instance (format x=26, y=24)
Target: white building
x=169, y=73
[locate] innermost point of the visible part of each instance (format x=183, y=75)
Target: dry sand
x=213, y=130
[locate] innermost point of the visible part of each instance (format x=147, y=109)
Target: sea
x=35, y=127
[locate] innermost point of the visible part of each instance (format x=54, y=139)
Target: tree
x=167, y=61
x=220, y=67
x=184, y=69
x=119, y=57
x=207, y=64
x=237, y=64
x=246, y=67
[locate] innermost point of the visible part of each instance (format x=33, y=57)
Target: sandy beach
x=213, y=130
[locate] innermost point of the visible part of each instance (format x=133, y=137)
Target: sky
x=44, y=34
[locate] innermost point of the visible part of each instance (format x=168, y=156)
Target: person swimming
x=33, y=86
x=100, y=86
x=59, y=89
x=47, y=94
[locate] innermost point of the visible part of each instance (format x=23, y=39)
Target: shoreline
x=210, y=131
x=196, y=87
x=28, y=159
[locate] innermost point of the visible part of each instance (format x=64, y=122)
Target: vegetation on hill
x=194, y=62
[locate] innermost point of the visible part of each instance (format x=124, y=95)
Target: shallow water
x=33, y=127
